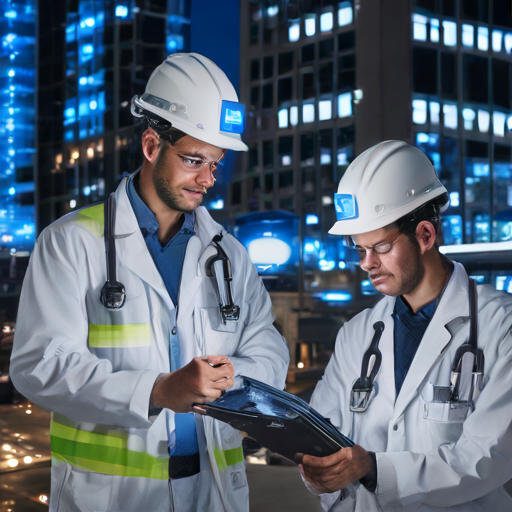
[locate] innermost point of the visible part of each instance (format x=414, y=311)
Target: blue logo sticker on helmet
x=346, y=206
x=232, y=116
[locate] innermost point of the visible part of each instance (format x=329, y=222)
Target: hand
x=336, y=471
x=201, y=380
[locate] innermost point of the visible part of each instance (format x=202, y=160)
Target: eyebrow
x=202, y=157
x=373, y=245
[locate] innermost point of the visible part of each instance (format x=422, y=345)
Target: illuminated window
x=483, y=121
x=483, y=39
x=498, y=123
x=508, y=43
x=345, y=14
x=497, y=37
x=450, y=116
x=294, y=32
x=294, y=116
x=419, y=27
x=434, y=30
x=308, y=113
x=310, y=26
x=454, y=199
x=326, y=21
x=324, y=110
x=434, y=112
x=345, y=104
x=282, y=118
x=450, y=33
x=468, y=35
x=469, y=116
x=419, y=111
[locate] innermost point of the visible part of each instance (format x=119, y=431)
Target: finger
x=321, y=462
x=216, y=360
x=199, y=410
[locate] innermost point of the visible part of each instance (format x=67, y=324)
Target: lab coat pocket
x=213, y=336
x=441, y=423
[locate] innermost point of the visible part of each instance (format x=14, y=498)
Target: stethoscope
x=363, y=387
x=218, y=267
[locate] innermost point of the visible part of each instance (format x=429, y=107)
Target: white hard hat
x=383, y=184
x=193, y=94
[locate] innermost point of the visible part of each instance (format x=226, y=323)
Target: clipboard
x=278, y=420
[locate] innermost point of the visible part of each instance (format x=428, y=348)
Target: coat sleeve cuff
x=387, y=485
x=141, y=398
x=370, y=479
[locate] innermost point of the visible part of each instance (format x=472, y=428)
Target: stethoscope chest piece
x=363, y=387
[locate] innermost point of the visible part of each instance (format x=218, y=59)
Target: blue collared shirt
x=408, y=332
x=168, y=259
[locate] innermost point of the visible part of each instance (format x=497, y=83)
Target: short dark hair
x=430, y=211
x=163, y=127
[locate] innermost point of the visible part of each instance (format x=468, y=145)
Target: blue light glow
x=345, y=104
x=82, y=80
x=309, y=247
x=334, y=296
x=12, y=191
x=294, y=32
x=326, y=265
x=232, y=117
x=269, y=251
x=11, y=15
x=326, y=21
x=345, y=14
x=217, y=205
x=87, y=49
x=311, y=219
x=121, y=11
x=90, y=22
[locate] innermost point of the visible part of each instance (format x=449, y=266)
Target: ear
x=150, y=144
x=426, y=235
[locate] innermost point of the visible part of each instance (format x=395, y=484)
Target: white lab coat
x=99, y=389
x=428, y=457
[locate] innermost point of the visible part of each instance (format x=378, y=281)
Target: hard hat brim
x=220, y=139
x=359, y=226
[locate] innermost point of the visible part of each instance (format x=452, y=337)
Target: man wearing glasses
x=422, y=382
x=121, y=370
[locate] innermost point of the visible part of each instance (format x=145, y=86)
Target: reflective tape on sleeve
x=119, y=336
x=104, y=453
x=225, y=458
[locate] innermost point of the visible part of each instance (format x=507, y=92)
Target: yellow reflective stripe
x=229, y=457
x=119, y=336
x=105, y=454
x=115, y=439
x=92, y=218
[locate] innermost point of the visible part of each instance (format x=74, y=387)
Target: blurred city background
x=322, y=81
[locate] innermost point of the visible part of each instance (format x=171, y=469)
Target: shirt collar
x=146, y=218
x=426, y=312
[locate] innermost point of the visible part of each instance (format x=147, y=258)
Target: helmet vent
x=410, y=193
x=380, y=208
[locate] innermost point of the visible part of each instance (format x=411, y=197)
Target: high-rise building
x=324, y=80
x=17, y=124
x=94, y=55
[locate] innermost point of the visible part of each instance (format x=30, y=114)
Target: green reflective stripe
x=103, y=454
x=92, y=219
x=119, y=336
x=230, y=457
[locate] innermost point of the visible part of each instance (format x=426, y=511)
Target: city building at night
x=325, y=80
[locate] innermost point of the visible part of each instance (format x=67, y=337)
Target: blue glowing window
x=346, y=206
x=232, y=117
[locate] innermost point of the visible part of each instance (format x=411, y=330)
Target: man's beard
x=413, y=273
x=168, y=196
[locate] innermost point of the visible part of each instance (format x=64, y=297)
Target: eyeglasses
x=380, y=248
x=194, y=164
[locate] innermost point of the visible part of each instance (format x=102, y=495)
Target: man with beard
x=121, y=363
x=422, y=381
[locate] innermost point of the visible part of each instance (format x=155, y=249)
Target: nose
x=370, y=260
x=205, y=177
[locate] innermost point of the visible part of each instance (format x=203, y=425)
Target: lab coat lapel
x=131, y=246
x=437, y=337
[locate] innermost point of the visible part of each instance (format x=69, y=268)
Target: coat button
x=395, y=427
x=174, y=331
